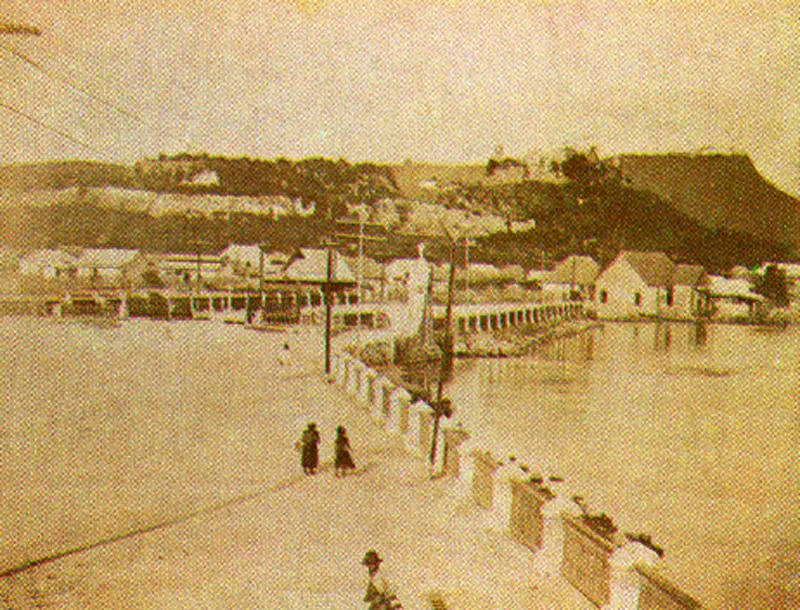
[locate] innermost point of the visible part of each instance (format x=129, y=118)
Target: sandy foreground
x=209, y=508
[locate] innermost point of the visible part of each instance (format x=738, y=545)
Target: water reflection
x=662, y=336
x=687, y=431
x=700, y=332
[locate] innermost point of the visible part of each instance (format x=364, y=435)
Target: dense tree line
x=89, y=225
x=327, y=184
x=65, y=174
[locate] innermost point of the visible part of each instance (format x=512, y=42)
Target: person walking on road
x=310, y=449
x=380, y=594
x=343, y=460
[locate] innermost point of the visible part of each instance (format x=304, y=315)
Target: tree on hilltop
x=774, y=286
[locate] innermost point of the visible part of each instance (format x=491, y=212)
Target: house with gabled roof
x=635, y=284
x=48, y=264
x=109, y=265
x=572, y=279
x=310, y=266
x=244, y=259
x=689, y=294
x=649, y=284
x=732, y=298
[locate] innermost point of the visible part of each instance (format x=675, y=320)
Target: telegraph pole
x=467, y=243
x=328, y=291
x=261, y=279
x=441, y=406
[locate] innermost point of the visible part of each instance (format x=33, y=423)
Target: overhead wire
x=49, y=127
x=83, y=90
x=64, y=81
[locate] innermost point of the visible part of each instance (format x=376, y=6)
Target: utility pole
x=328, y=292
x=442, y=407
x=261, y=278
x=199, y=278
x=467, y=243
x=361, y=213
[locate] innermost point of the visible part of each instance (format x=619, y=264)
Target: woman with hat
x=310, y=449
x=343, y=460
x=380, y=595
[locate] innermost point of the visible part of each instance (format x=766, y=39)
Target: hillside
x=593, y=208
x=408, y=176
x=64, y=174
x=719, y=191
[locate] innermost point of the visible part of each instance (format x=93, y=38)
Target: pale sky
x=443, y=81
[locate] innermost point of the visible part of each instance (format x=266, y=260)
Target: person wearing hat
x=310, y=449
x=380, y=595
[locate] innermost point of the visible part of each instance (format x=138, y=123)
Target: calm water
x=105, y=429
x=689, y=436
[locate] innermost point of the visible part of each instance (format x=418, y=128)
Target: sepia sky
x=388, y=80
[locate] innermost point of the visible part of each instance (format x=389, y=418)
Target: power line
x=81, y=89
x=64, y=81
x=63, y=134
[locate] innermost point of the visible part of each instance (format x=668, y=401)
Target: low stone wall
x=365, y=386
x=396, y=408
x=388, y=403
x=610, y=571
x=420, y=428
x=483, y=469
x=526, y=523
x=586, y=563
x=454, y=437
x=657, y=593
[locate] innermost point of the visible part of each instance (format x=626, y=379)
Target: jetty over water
x=466, y=318
x=164, y=304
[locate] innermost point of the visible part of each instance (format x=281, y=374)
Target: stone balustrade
x=365, y=386
x=453, y=436
x=657, y=593
x=526, y=520
x=586, y=561
x=612, y=572
x=354, y=377
x=382, y=388
x=397, y=411
x=420, y=428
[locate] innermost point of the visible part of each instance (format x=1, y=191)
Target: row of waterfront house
x=633, y=285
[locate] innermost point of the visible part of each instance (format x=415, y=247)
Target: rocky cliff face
x=719, y=191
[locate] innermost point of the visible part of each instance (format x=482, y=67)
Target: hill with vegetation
x=592, y=208
x=65, y=174
x=720, y=191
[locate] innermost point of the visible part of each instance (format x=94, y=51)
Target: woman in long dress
x=310, y=449
x=344, y=457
